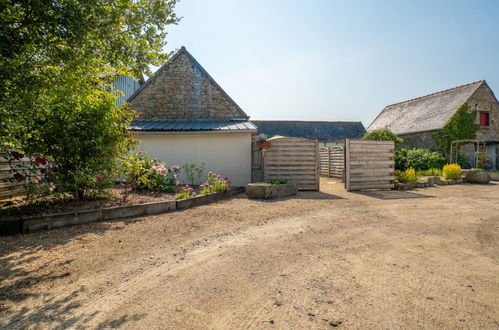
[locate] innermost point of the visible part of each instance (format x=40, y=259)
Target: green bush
x=451, y=172
x=382, y=135
x=193, y=172
x=482, y=160
x=419, y=159
x=272, y=181
x=215, y=183
x=141, y=172
x=430, y=172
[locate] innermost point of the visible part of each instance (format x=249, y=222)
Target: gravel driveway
x=427, y=258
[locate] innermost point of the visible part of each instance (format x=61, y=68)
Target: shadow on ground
x=22, y=274
x=312, y=195
x=390, y=194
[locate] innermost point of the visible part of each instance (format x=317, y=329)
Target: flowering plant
x=262, y=138
x=215, y=183
x=141, y=172
x=185, y=192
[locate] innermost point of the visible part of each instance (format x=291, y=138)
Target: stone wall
x=420, y=140
x=183, y=90
x=484, y=100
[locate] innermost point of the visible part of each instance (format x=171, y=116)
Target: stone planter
x=268, y=191
x=477, y=177
x=494, y=176
x=264, y=144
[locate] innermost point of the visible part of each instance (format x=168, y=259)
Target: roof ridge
x=309, y=121
x=436, y=93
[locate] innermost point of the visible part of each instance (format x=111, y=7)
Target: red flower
x=41, y=160
x=18, y=176
x=55, y=189
x=99, y=178
x=17, y=155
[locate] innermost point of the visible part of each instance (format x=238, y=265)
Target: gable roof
x=324, y=131
x=182, y=89
x=427, y=113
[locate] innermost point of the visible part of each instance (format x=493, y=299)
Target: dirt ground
x=421, y=259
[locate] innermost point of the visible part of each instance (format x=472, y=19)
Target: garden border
x=35, y=223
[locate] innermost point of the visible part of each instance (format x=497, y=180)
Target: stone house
x=328, y=133
x=415, y=120
x=185, y=116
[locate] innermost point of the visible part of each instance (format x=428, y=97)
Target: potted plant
x=262, y=141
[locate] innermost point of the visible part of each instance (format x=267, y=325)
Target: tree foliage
x=54, y=44
x=461, y=126
x=57, y=61
x=382, y=135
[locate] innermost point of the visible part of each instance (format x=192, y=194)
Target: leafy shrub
x=463, y=160
x=382, y=135
x=482, y=160
x=401, y=159
x=215, y=183
x=262, y=138
x=430, y=172
x=410, y=175
x=193, y=172
x=451, y=172
x=272, y=181
x=185, y=192
x=419, y=159
x=141, y=172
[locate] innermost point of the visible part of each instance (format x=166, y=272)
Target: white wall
x=227, y=154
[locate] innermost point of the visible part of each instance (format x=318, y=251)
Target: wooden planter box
x=263, y=145
x=268, y=191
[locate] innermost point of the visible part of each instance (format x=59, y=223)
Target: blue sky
x=338, y=60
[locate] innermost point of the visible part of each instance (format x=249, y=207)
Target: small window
x=484, y=119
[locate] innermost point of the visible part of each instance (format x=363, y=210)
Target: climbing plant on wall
x=460, y=126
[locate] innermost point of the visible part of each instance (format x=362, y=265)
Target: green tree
x=45, y=43
x=382, y=135
x=57, y=62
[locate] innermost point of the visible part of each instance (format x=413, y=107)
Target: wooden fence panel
x=10, y=187
x=332, y=162
x=293, y=159
x=369, y=164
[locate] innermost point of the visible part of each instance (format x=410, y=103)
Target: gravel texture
x=424, y=259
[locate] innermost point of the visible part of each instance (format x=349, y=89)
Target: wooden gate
x=332, y=162
x=369, y=164
x=293, y=159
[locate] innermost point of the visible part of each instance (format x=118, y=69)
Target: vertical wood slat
x=295, y=160
x=332, y=162
x=369, y=164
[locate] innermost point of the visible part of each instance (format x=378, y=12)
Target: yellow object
x=451, y=172
x=410, y=175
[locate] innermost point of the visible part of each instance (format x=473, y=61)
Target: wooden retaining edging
x=25, y=225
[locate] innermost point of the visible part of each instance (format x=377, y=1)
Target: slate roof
x=427, y=113
x=192, y=125
x=324, y=131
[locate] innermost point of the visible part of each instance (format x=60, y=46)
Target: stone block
x=268, y=191
x=477, y=177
